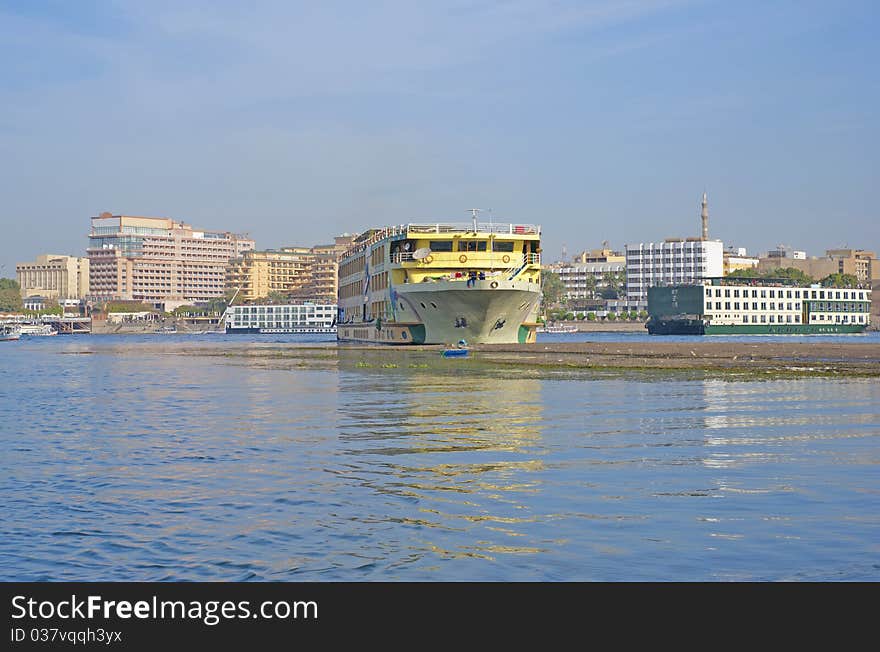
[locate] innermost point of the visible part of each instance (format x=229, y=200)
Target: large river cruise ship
x=441, y=283
x=732, y=306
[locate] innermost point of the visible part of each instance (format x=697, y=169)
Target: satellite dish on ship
x=424, y=252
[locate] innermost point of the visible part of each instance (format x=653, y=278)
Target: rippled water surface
x=235, y=458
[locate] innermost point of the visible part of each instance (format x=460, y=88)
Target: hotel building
x=585, y=277
x=673, y=261
x=159, y=260
x=54, y=276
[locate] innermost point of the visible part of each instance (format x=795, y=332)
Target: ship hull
x=444, y=313
x=698, y=327
x=278, y=331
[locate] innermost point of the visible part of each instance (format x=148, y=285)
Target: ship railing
x=443, y=227
x=468, y=227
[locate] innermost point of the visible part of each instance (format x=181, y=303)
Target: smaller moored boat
x=9, y=332
x=38, y=330
x=557, y=329
x=460, y=350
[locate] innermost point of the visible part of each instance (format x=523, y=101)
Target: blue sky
x=299, y=121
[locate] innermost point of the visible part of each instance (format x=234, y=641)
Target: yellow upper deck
x=414, y=253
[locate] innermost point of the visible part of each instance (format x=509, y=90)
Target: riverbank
x=856, y=358
x=587, y=326
x=145, y=327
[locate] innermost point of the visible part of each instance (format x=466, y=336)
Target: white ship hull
x=446, y=312
x=441, y=283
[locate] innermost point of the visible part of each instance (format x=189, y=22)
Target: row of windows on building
x=787, y=294
x=828, y=306
x=658, y=269
x=796, y=319
x=307, y=309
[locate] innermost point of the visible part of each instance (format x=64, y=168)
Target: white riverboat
x=9, y=332
x=38, y=330
x=277, y=319
x=557, y=329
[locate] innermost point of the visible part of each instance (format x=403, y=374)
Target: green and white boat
x=735, y=306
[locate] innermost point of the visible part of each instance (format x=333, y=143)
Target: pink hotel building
x=158, y=260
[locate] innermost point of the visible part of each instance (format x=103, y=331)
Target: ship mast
x=474, y=212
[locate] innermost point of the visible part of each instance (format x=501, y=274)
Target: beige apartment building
x=858, y=262
x=54, y=276
x=256, y=274
x=159, y=260
x=604, y=255
x=300, y=273
x=736, y=259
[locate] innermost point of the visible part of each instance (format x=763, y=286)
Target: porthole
x=422, y=304
x=402, y=307
x=434, y=305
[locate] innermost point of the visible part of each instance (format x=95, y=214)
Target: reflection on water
x=441, y=443
x=145, y=460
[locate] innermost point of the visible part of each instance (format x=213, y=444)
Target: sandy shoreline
x=854, y=358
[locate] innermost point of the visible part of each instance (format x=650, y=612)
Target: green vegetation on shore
x=793, y=274
x=10, y=295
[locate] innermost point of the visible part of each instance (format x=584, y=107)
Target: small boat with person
x=460, y=350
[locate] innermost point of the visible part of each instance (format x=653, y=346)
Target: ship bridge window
x=440, y=245
x=503, y=246
x=472, y=245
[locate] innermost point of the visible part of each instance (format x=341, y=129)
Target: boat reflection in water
x=462, y=449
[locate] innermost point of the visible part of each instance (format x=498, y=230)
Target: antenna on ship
x=474, y=212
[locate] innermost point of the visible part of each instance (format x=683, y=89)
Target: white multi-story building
x=582, y=280
x=673, y=261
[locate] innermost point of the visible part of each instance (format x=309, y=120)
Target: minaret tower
x=704, y=215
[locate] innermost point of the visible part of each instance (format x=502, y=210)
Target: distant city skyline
x=601, y=121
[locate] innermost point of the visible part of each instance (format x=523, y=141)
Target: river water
x=218, y=457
